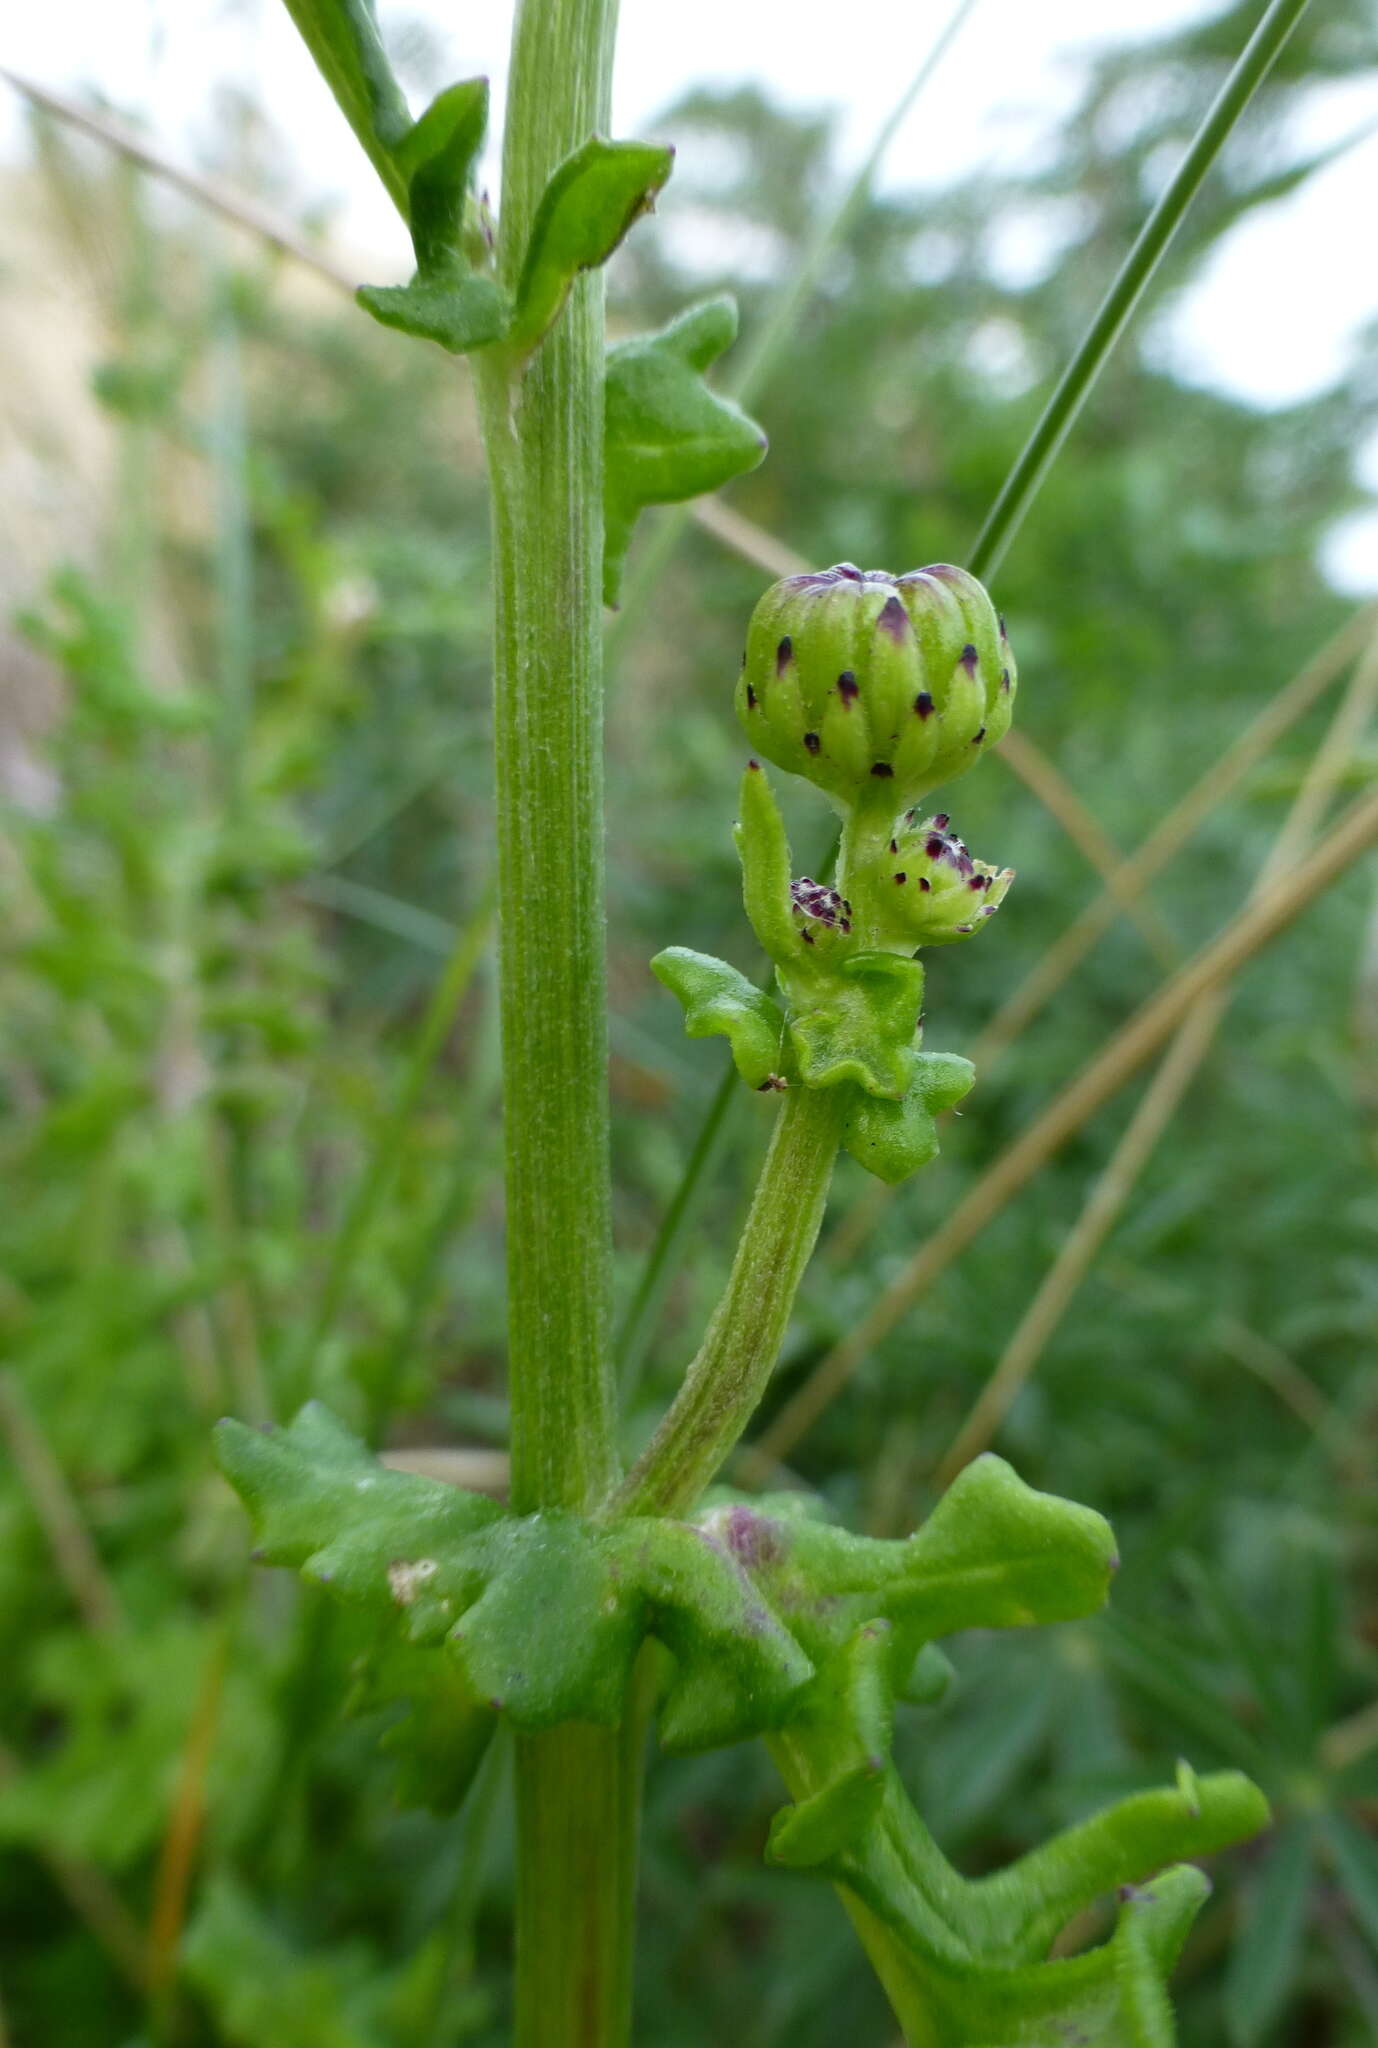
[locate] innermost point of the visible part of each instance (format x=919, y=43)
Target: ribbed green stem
x=724, y=1385
x=544, y=434
x=577, y=1787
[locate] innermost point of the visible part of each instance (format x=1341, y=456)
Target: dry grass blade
x=1270, y=1364
x=185, y=1824
x=1083, y=1242
x=231, y=205
x=1121, y=1057
x=1041, y=775
x=1168, y=838
x=59, y=1515
x=1161, y=1099
x=1130, y=879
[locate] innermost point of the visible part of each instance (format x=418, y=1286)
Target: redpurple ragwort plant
x=595, y=1600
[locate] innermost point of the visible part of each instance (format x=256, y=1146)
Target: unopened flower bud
x=876, y=686
x=822, y=918
x=937, y=893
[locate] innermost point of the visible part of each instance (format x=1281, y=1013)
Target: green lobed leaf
x=437, y=157
x=667, y=436
x=894, y=1139
x=447, y=301
x=858, y=1024
x=592, y=200
x=717, y=999
x=780, y=1624
x=460, y=312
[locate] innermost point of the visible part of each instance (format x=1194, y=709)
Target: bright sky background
x=1273, y=318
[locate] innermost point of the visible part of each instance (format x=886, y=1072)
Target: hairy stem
x=725, y=1383
x=544, y=434
x=543, y=430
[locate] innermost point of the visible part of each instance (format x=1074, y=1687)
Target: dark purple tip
x=901, y=878
x=850, y=571
x=1003, y=634
x=924, y=883
x=942, y=821
x=847, y=686
x=750, y=698
x=935, y=849
x=979, y=882
x=754, y=766
x=923, y=704
x=807, y=937
x=881, y=768
x=979, y=737
x=894, y=846
x=969, y=658
x=1004, y=679
x=894, y=619
x=784, y=653
x=812, y=742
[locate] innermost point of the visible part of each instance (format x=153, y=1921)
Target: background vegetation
x=249, y=1113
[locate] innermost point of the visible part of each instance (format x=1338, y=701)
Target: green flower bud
x=876, y=686
x=937, y=893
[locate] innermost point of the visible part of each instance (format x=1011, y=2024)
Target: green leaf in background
x=590, y=203
x=669, y=437
x=719, y=999
x=1268, y=1951
x=263, y=1989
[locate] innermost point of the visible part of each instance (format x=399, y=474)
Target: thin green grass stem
x=1136, y=273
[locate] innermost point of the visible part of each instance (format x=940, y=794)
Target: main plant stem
x=577, y=1787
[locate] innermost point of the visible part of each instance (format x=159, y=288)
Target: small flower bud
x=938, y=893
x=822, y=918
x=869, y=684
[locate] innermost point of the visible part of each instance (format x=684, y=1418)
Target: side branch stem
x=724, y=1385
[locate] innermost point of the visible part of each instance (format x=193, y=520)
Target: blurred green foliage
x=258, y=825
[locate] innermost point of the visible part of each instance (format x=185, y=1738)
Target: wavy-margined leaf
x=541, y=1616
x=437, y=157
x=894, y=1139
x=667, y=436
x=586, y=209
x=859, y=1025
x=717, y=999
x=459, y=311
x=776, y=1624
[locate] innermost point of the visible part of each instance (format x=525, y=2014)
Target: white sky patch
x=1274, y=316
